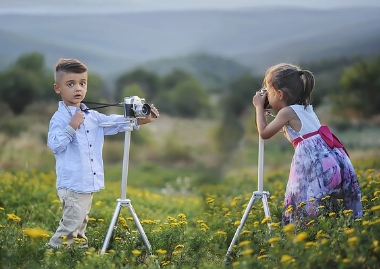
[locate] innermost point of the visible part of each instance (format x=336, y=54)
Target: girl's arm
x=266, y=131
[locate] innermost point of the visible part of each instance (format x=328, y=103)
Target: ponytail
x=308, y=86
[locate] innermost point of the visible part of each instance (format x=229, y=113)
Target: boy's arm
x=60, y=135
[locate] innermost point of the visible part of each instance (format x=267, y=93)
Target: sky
x=91, y=6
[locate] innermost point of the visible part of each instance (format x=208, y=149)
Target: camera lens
x=146, y=110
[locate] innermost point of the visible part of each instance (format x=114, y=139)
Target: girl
x=320, y=169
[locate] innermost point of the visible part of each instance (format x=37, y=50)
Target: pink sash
x=326, y=135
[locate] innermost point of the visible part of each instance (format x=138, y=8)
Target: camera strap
x=99, y=105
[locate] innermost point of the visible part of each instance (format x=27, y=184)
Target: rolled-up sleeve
x=59, y=136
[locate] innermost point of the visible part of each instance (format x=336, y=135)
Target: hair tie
x=300, y=73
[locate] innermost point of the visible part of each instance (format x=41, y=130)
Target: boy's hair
x=297, y=84
x=68, y=66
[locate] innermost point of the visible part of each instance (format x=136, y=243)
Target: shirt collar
x=62, y=108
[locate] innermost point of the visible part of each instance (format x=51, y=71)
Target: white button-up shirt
x=78, y=153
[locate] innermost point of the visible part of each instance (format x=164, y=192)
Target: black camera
x=266, y=103
x=135, y=107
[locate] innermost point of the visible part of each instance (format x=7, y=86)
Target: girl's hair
x=68, y=66
x=297, y=84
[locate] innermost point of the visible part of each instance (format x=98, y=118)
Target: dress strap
x=326, y=135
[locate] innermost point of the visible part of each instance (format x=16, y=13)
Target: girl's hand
x=259, y=99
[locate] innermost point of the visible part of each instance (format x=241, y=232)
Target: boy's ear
x=56, y=89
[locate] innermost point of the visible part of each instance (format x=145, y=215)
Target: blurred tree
x=174, y=78
x=24, y=81
x=133, y=90
x=234, y=104
x=361, y=89
x=18, y=88
x=147, y=81
x=95, y=88
x=187, y=99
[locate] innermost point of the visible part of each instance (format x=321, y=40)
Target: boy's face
x=72, y=87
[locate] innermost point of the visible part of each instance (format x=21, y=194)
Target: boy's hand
x=152, y=117
x=77, y=120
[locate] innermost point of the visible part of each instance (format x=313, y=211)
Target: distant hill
x=212, y=71
x=256, y=38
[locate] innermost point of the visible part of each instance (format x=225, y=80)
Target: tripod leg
x=243, y=220
x=112, y=225
x=139, y=227
x=266, y=209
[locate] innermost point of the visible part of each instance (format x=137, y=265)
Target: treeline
x=351, y=85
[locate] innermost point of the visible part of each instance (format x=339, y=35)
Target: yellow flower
x=63, y=237
x=274, y=224
x=375, y=208
x=13, y=217
x=321, y=207
x=210, y=200
x=262, y=257
x=324, y=241
x=1, y=208
x=100, y=220
x=161, y=251
x=326, y=197
x=310, y=222
x=347, y=212
x=300, y=237
x=244, y=243
x=290, y=209
x=287, y=258
x=346, y=260
x=310, y=244
x=98, y=203
x=117, y=238
x=349, y=231
x=353, y=240
x=265, y=220
x=289, y=228
x=176, y=252
x=136, y=252
x=246, y=232
x=272, y=197
x=220, y=233
x=302, y=204
x=65, y=243
x=236, y=199
x=331, y=214
x=181, y=216
x=247, y=252
x=273, y=240
x=312, y=200
x=179, y=246
x=35, y=232
x=237, y=223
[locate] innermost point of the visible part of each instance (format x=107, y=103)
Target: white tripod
x=123, y=201
x=259, y=194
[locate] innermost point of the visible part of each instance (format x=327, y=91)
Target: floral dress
x=320, y=178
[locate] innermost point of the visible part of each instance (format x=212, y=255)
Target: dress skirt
x=321, y=179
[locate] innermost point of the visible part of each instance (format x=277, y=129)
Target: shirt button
x=88, y=131
x=90, y=145
x=92, y=160
x=94, y=173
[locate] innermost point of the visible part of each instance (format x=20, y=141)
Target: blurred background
x=200, y=63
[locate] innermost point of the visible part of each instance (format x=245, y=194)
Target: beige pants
x=75, y=210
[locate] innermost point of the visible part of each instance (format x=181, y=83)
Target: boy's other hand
x=77, y=120
x=152, y=117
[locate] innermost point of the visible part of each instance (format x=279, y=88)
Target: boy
x=76, y=140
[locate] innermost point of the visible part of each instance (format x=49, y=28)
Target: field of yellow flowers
x=190, y=230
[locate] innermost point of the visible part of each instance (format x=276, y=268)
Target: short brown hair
x=69, y=66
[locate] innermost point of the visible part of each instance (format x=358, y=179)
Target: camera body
x=266, y=103
x=135, y=107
